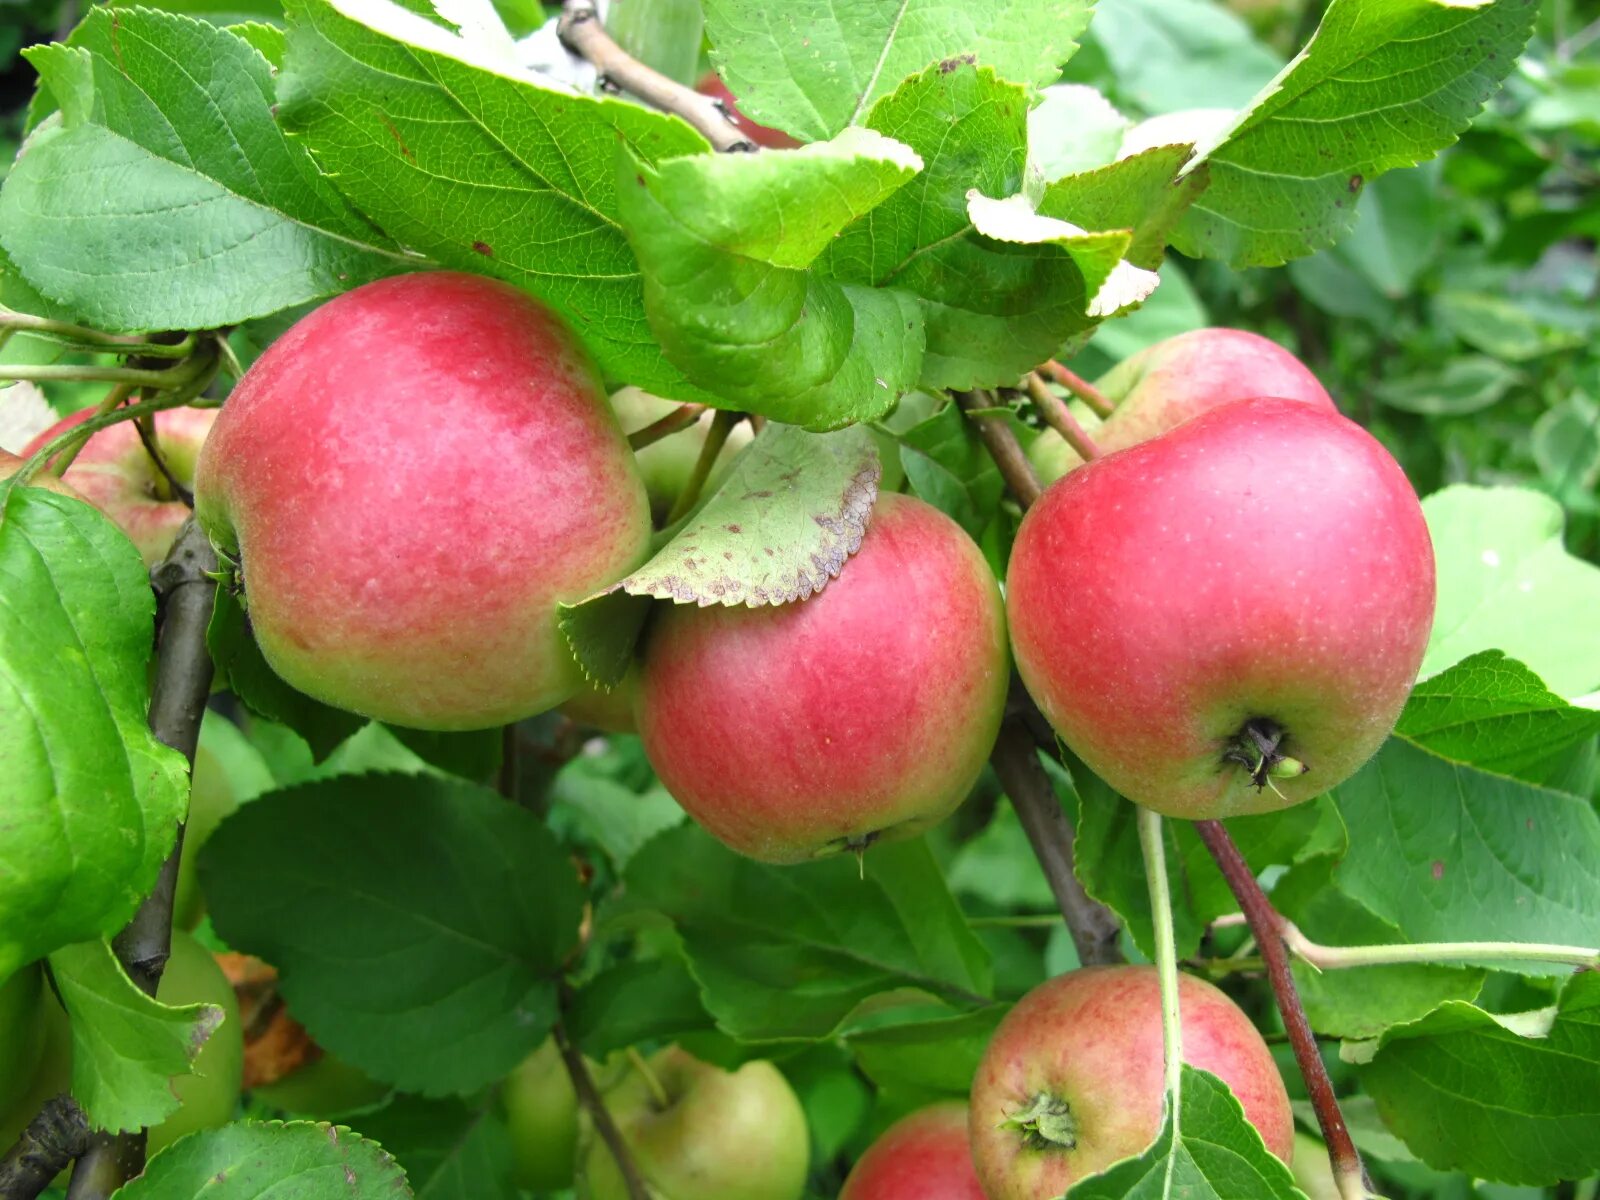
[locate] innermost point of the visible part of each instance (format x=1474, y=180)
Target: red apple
x=762, y=135
x=411, y=479
x=924, y=1156
x=115, y=473
x=697, y=1132
x=1226, y=619
x=10, y=464
x=868, y=710
x=1072, y=1080
x=1166, y=384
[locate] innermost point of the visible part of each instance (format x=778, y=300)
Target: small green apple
x=52, y=1073
x=541, y=1111
x=1313, y=1173
x=21, y=1032
x=324, y=1089
x=667, y=464
x=209, y=1095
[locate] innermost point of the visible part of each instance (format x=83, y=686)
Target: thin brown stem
x=1268, y=925
x=1059, y=417
x=594, y=1104
x=1079, y=387
x=83, y=431
x=1093, y=928
x=1002, y=445
x=716, y=437
x=150, y=438
x=582, y=32
x=679, y=418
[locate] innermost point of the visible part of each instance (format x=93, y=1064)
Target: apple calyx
x=1255, y=748
x=1046, y=1124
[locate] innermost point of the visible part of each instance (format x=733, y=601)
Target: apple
x=666, y=464
x=52, y=1070
x=541, y=1111
x=709, y=1134
x=608, y=711
x=210, y=1093
x=762, y=135
x=10, y=464
x=1313, y=1173
x=1164, y=385
x=211, y=799
x=412, y=478
x=22, y=1003
x=1072, y=1080
x=1226, y=619
x=324, y=1088
x=115, y=473
x=923, y=1156
x=866, y=711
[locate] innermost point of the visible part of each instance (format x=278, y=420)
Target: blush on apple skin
x=115, y=473
x=922, y=1156
x=413, y=477
x=1091, y=1041
x=1178, y=378
x=762, y=135
x=1266, y=561
x=821, y=725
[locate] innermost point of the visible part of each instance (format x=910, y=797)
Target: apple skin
x=541, y=1111
x=210, y=1094
x=666, y=465
x=10, y=464
x=52, y=1071
x=1166, y=384
x=923, y=1156
x=1313, y=1173
x=413, y=476
x=762, y=135
x=115, y=473
x=1266, y=562
x=324, y=1089
x=725, y=1135
x=21, y=1032
x=868, y=710
x=1091, y=1040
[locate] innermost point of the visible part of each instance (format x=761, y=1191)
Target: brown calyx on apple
x=1257, y=748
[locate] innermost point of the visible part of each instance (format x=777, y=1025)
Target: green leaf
x=1491, y=712
x=457, y=908
x=1516, y=1099
x=792, y=952
x=949, y=468
x=1446, y=853
x=243, y=670
x=250, y=1159
x=1506, y=582
x=856, y=51
x=450, y=1150
x=933, y=1051
x=1360, y=1002
x=1461, y=387
x=473, y=755
x=1168, y=54
x=1073, y=128
x=92, y=800
x=641, y=1000
x=471, y=160
x=1501, y=327
x=726, y=244
x=617, y=819
x=1377, y=87
x=1207, y=1152
x=170, y=199
x=125, y=1044
x=1566, y=445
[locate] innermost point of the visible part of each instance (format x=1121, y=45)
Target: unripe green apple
x=666, y=464
x=1072, y=1080
x=541, y=1111
x=52, y=1071
x=412, y=479
x=115, y=473
x=1313, y=1173
x=923, y=1156
x=210, y=1093
x=211, y=799
x=1226, y=619
x=324, y=1089
x=819, y=726
x=1166, y=384
x=711, y=1135
x=22, y=1002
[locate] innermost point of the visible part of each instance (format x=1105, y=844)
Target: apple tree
x=725, y=601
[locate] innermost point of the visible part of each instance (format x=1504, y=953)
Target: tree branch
x=594, y=1104
x=1059, y=417
x=1267, y=924
x=1003, y=447
x=1079, y=387
x=582, y=32
x=52, y=1139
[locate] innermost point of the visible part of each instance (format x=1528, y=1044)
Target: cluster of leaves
x=959, y=216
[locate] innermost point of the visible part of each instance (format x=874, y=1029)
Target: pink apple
x=818, y=726
x=1073, y=1081
x=1209, y=614
x=10, y=464
x=1164, y=385
x=762, y=135
x=924, y=1156
x=115, y=473
x=412, y=478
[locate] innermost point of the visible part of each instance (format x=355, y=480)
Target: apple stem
x=91, y=339
x=1333, y=958
x=1079, y=387
x=582, y=32
x=679, y=418
x=1002, y=445
x=1153, y=846
x=716, y=437
x=112, y=401
x=1267, y=924
x=657, y=1093
x=594, y=1104
x=1059, y=417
